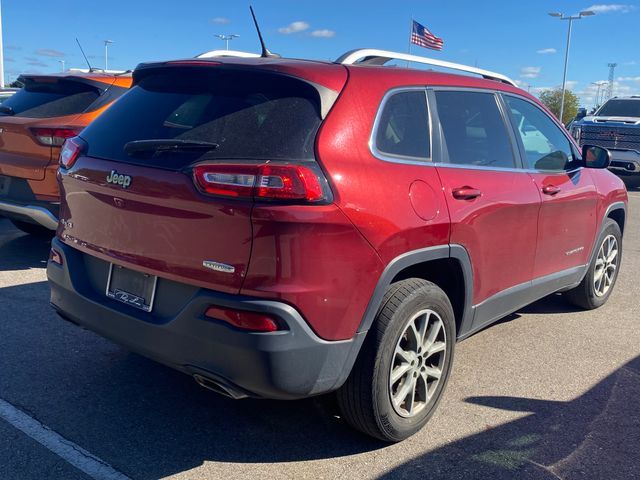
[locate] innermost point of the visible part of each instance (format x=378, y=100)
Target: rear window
x=250, y=115
x=50, y=99
x=620, y=108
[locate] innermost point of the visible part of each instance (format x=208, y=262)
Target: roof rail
x=372, y=56
x=227, y=53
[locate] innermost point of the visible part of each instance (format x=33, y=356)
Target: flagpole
x=410, y=33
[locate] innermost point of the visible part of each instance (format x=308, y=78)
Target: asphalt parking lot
x=548, y=393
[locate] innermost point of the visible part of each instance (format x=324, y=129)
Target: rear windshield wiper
x=7, y=110
x=167, y=144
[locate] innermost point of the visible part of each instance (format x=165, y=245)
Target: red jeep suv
x=284, y=228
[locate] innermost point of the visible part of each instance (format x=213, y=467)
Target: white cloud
x=323, y=33
x=49, y=52
x=630, y=63
x=571, y=84
x=611, y=8
x=546, y=51
x=294, y=27
x=530, y=72
x=220, y=20
x=629, y=79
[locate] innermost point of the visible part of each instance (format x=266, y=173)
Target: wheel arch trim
x=423, y=255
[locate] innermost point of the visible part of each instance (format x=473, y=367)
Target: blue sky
x=516, y=38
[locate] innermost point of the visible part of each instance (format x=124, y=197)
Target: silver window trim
x=405, y=159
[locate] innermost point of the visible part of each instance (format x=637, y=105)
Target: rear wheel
x=597, y=284
x=33, y=229
x=404, y=365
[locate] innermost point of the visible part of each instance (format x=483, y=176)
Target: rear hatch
x=154, y=217
x=35, y=121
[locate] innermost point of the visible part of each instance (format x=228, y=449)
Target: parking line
x=65, y=449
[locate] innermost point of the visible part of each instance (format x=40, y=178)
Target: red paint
x=325, y=260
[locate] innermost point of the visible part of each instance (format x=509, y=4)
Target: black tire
x=365, y=399
x=33, y=229
x=585, y=295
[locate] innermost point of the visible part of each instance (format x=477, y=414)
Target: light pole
x=599, y=85
x=62, y=64
x=226, y=38
x=106, y=53
x=571, y=18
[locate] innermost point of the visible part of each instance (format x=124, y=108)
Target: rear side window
x=473, y=129
x=403, y=126
x=50, y=99
x=250, y=115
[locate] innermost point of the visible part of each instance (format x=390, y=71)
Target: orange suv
x=34, y=123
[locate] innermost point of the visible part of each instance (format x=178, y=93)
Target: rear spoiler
x=26, y=79
x=143, y=70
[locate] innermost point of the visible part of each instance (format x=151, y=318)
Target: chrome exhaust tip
x=219, y=387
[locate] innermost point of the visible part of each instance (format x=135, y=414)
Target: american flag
x=420, y=35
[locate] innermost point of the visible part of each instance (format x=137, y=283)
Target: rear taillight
x=269, y=181
x=53, y=137
x=70, y=152
x=252, y=321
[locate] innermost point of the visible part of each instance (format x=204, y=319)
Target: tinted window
x=473, y=129
x=545, y=146
x=621, y=108
x=403, y=127
x=249, y=115
x=50, y=99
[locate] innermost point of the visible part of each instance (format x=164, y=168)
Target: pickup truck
x=616, y=127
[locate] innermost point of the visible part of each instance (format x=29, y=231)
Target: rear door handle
x=550, y=189
x=466, y=193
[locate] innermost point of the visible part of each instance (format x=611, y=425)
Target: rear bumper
x=283, y=365
x=44, y=215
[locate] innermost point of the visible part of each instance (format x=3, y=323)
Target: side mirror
x=596, y=157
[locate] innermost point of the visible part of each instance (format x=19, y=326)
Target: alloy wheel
x=606, y=265
x=418, y=363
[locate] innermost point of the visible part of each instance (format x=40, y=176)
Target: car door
x=567, y=221
x=492, y=201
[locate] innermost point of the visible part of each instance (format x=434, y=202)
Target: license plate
x=133, y=288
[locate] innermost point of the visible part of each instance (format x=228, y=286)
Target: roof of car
x=121, y=78
x=330, y=73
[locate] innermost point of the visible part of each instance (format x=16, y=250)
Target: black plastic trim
x=288, y=364
x=457, y=252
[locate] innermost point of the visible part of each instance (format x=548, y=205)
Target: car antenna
x=265, y=51
x=85, y=57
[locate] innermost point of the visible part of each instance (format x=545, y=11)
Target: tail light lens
x=267, y=181
x=251, y=321
x=70, y=152
x=53, y=137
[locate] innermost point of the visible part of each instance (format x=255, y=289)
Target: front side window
x=545, y=146
x=473, y=129
x=403, y=126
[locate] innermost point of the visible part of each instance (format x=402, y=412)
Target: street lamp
x=599, y=85
x=106, y=53
x=571, y=18
x=226, y=38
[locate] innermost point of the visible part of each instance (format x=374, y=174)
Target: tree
x=552, y=99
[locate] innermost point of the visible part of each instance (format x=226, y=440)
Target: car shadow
x=145, y=419
x=595, y=436
x=19, y=251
